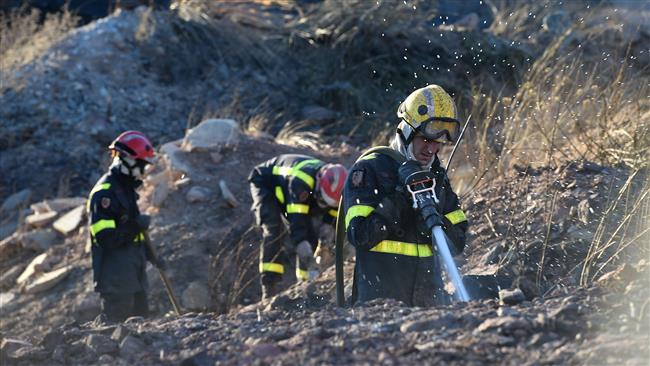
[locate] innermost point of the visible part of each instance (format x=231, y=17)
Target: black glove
x=143, y=222
x=406, y=169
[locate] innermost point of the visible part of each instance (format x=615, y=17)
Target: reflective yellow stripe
x=301, y=274
x=139, y=237
x=271, y=267
x=295, y=171
x=357, y=211
x=307, y=162
x=333, y=213
x=456, y=216
x=279, y=194
x=401, y=248
x=101, y=225
x=96, y=189
x=297, y=208
x=369, y=157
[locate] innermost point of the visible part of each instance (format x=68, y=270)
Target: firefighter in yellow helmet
x=394, y=255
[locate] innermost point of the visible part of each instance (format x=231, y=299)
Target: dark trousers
x=119, y=307
x=275, y=259
x=273, y=256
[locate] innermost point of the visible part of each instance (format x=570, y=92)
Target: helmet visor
x=441, y=131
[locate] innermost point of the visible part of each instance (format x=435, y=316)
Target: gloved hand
x=323, y=255
x=143, y=222
x=407, y=169
x=304, y=251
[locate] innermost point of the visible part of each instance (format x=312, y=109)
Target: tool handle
x=460, y=137
x=170, y=293
x=163, y=276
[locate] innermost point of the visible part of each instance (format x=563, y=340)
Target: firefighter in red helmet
x=294, y=195
x=117, y=229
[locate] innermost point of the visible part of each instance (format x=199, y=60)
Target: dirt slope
x=202, y=243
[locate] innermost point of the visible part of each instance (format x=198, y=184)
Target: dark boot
x=270, y=290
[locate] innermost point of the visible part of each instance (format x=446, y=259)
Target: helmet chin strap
x=411, y=156
x=129, y=167
x=404, y=140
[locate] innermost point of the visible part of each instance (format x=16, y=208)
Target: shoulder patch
x=106, y=202
x=303, y=196
x=357, y=178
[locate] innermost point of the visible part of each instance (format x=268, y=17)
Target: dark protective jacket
x=395, y=258
x=292, y=179
x=118, y=251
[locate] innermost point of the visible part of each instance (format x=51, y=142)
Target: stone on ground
x=39, y=240
x=70, y=221
x=40, y=220
x=211, y=134
x=16, y=200
x=196, y=296
x=511, y=297
x=31, y=268
x=48, y=280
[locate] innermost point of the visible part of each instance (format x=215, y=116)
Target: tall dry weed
x=24, y=36
x=568, y=107
x=576, y=105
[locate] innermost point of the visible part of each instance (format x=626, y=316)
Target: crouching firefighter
x=298, y=194
x=394, y=253
x=117, y=230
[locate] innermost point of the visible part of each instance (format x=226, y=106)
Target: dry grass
x=577, y=101
x=24, y=37
x=234, y=270
x=567, y=108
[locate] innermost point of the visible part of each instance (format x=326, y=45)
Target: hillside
x=552, y=174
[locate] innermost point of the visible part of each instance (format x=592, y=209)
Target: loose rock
x=198, y=194
x=196, y=296
x=48, y=280
x=101, y=344
x=70, y=221
x=212, y=133
x=511, y=297
x=39, y=240
x=16, y=200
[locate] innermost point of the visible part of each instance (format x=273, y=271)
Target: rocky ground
x=570, y=235
x=577, y=327
x=47, y=317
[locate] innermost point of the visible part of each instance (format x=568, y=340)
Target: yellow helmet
x=430, y=111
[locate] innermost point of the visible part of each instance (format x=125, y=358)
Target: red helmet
x=134, y=145
x=331, y=179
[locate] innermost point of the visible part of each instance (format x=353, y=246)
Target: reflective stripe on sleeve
x=297, y=208
x=357, y=211
x=295, y=171
x=96, y=189
x=279, y=194
x=402, y=248
x=456, y=216
x=301, y=274
x=100, y=225
x=333, y=213
x=271, y=267
x=369, y=157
